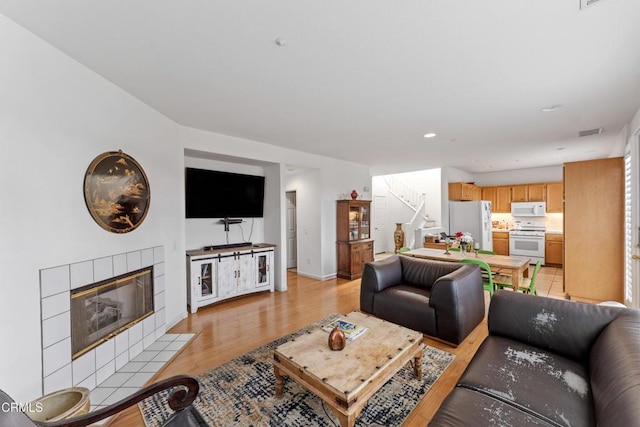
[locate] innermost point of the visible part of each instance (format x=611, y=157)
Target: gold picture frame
x=116, y=192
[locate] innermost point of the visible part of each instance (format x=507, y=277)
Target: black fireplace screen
x=102, y=310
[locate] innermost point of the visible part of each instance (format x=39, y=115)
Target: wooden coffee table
x=346, y=379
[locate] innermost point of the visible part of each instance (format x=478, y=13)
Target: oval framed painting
x=116, y=191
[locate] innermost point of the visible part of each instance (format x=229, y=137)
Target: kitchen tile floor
x=135, y=374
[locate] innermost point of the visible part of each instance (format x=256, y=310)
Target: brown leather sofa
x=441, y=299
x=550, y=362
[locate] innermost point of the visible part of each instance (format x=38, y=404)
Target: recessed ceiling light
x=550, y=108
x=280, y=41
x=429, y=135
x=560, y=148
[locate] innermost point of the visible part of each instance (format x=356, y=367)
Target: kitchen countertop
x=500, y=230
x=554, y=232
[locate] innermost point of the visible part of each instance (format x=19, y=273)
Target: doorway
x=379, y=219
x=292, y=231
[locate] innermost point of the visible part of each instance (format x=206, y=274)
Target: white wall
x=56, y=116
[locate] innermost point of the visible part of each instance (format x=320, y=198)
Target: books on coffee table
x=351, y=330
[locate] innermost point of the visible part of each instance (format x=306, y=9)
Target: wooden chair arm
x=179, y=399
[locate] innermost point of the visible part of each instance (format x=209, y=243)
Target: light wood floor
x=229, y=329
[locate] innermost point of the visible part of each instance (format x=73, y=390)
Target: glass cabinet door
x=354, y=222
x=205, y=280
x=262, y=266
x=364, y=223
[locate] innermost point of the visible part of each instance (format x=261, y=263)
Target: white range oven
x=527, y=239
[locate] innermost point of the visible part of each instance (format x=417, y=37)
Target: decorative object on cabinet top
x=116, y=192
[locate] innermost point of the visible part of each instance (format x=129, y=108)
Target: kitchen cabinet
x=489, y=193
x=464, y=191
x=354, y=247
x=500, y=242
x=553, y=249
x=555, y=197
x=594, y=230
x=213, y=276
x=503, y=200
x=519, y=193
x=536, y=192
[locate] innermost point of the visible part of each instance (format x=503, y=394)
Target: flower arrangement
x=465, y=240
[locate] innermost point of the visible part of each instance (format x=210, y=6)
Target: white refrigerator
x=474, y=218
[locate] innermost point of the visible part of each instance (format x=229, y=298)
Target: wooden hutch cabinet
x=354, y=243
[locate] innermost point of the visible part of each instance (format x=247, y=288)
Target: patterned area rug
x=241, y=392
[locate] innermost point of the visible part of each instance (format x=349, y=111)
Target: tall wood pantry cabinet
x=594, y=230
x=354, y=245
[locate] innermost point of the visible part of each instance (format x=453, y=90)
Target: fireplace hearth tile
x=152, y=367
x=119, y=394
x=54, y=280
x=158, y=269
x=164, y=356
x=119, y=264
x=55, y=304
x=121, y=360
x=135, y=350
x=122, y=342
x=159, y=346
x=99, y=394
x=102, y=268
x=145, y=356
x=133, y=367
x=84, y=366
x=139, y=379
x=58, y=380
x=105, y=372
x=56, y=356
x=134, y=261
x=81, y=274
x=56, y=329
x=105, y=353
x=117, y=380
x=176, y=345
x=146, y=256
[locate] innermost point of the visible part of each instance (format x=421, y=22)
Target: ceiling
x=364, y=80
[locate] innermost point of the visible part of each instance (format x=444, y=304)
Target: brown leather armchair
x=184, y=390
x=441, y=299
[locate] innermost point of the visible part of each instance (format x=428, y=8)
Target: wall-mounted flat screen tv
x=214, y=194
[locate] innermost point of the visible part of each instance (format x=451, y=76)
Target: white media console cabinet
x=214, y=275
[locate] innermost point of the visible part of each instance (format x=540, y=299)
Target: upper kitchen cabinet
x=503, y=200
x=489, y=193
x=555, y=197
x=464, y=191
x=520, y=193
x=536, y=192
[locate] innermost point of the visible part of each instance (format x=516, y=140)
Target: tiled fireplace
x=124, y=340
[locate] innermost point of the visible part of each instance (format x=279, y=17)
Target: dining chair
x=528, y=285
x=487, y=280
x=486, y=252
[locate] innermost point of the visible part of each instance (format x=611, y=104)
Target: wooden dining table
x=517, y=267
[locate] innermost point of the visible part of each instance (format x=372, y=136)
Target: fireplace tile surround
x=100, y=363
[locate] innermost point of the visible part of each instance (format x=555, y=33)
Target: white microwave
x=528, y=208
